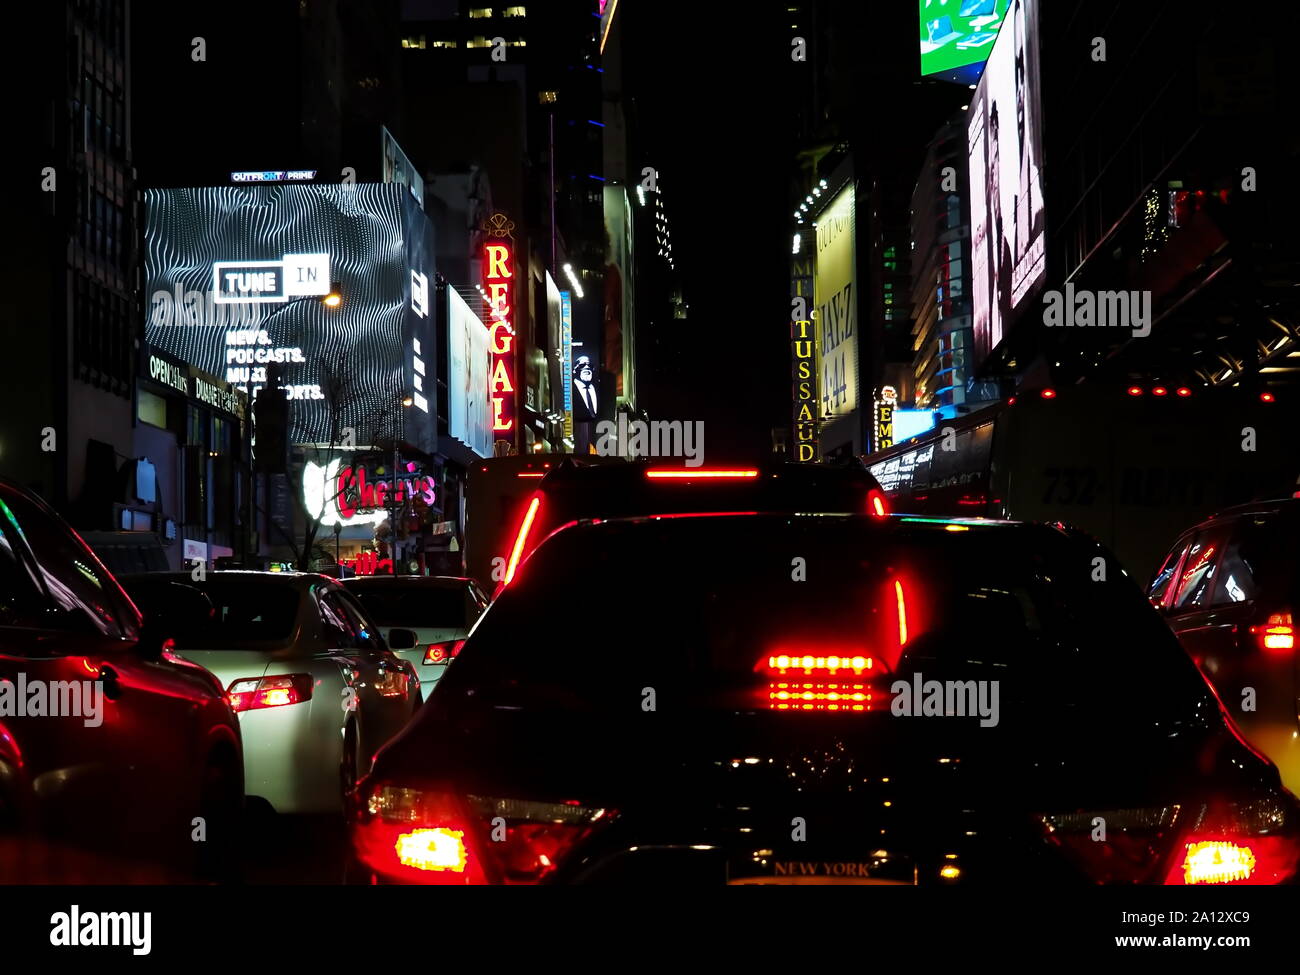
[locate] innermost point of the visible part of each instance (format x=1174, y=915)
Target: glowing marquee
x=340, y=494
x=498, y=275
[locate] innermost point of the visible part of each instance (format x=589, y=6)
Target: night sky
x=714, y=101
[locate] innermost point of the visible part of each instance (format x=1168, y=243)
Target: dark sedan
x=822, y=699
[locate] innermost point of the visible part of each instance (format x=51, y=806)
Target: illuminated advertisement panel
x=956, y=36
x=566, y=356
x=834, y=295
x=241, y=278
x=1004, y=142
x=912, y=423
x=469, y=364
x=499, y=282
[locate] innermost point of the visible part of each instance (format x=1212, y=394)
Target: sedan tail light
x=440, y=653
x=1239, y=843
x=846, y=681
x=1278, y=633
x=440, y=837
x=276, y=691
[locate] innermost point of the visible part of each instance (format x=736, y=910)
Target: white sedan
x=441, y=610
x=315, y=685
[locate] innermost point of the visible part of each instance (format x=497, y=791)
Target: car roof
x=1285, y=506
x=292, y=579
x=888, y=523
x=578, y=470
x=441, y=582
x=613, y=490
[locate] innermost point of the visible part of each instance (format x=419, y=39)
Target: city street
x=653, y=445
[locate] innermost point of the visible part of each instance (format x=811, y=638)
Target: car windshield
x=703, y=605
x=217, y=613
x=396, y=604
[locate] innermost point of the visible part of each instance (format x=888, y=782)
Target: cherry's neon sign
x=498, y=275
x=368, y=564
x=340, y=494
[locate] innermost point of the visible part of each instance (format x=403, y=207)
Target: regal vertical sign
x=499, y=279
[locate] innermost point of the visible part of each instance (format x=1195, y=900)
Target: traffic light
x=271, y=425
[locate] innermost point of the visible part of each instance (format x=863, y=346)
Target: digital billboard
x=956, y=36
x=835, y=300
x=1004, y=142
x=397, y=168
x=566, y=358
x=236, y=278
x=469, y=364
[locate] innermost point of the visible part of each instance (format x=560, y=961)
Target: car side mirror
x=154, y=637
x=400, y=639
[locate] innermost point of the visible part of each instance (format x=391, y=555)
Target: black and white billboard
x=237, y=279
x=1004, y=144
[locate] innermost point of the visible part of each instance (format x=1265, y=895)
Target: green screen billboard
x=956, y=36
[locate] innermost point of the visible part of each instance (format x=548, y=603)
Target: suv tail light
x=876, y=505
x=525, y=527
x=440, y=837
x=700, y=473
x=278, y=690
x=440, y=653
x=1276, y=634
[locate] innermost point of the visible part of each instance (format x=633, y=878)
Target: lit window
x=445, y=44
x=514, y=12
x=151, y=409
x=547, y=97
x=480, y=13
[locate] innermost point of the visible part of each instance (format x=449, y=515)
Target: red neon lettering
x=341, y=493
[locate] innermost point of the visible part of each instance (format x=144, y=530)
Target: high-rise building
x=71, y=314
x=940, y=253
x=1167, y=180
x=860, y=126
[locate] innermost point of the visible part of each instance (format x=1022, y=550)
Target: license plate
x=818, y=872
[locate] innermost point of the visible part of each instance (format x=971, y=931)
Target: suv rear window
x=698, y=603
x=396, y=604
x=1261, y=552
